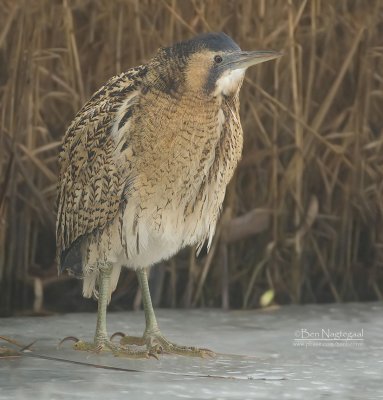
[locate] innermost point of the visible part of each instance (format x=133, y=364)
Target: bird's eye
x=218, y=59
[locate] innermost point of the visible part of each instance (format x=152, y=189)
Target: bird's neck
x=166, y=79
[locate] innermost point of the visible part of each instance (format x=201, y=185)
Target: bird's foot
x=104, y=344
x=156, y=343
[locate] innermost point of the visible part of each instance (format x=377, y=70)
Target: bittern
x=143, y=173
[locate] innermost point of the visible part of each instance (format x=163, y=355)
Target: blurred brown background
x=303, y=217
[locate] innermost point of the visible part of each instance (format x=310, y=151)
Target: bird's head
x=210, y=64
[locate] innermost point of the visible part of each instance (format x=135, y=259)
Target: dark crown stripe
x=210, y=41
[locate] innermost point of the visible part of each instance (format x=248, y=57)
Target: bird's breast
x=185, y=157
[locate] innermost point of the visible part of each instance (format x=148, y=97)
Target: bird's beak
x=245, y=59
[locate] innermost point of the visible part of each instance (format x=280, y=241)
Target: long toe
x=102, y=345
x=188, y=351
x=158, y=343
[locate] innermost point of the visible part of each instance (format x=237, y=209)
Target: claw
x=154, y=355
x=68, y=338
x=206, y=353
x=120, y=334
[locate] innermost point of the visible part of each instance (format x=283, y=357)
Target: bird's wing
x=90, y=186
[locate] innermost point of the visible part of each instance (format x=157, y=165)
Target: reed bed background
x=303, y=217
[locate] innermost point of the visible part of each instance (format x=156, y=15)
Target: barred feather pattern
x=90, y=183
x=144, y=169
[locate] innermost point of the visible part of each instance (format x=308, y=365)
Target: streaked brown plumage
x=146, y=162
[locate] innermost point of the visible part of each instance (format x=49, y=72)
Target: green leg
x=153, y=338
x=101, y=335
x=101, y=340
x=150, y=318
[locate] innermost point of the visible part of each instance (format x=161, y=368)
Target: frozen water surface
x=261, y=356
